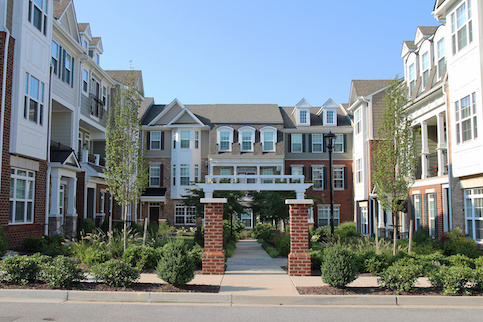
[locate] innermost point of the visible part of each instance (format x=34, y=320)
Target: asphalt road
x=69, y=311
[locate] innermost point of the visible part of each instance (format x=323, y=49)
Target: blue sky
x=254, y=51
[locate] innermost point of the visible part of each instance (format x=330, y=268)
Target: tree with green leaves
x=395, y=157
x=270, y=205
x=126, y=171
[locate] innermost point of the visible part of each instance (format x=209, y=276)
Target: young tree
x=395, y=155
x=270, y=205
x=126, y=171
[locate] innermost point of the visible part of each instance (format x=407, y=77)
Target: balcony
x=93, y=158
x=97, y=106
x=433, y=166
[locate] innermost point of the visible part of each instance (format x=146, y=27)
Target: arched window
x=268, y=136
x=224, y=138
x=246, y=138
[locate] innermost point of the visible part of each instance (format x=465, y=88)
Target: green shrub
x=60, y=272
x=461, y=260
x=375, y=263
x=283, y=245
x=115, y=273
x=479, y=262
x=176, y=266
x=478, y=279
x=199, y=236
x=197, y=255
x=141, y=257
x=93, y=256
x=34, y=244
x=338, y=267
x=19, y=269
x=263, y=231
x=322, y=234
x=401, y=276
x=87, y=227
x=452, y=280
x=431, y=262
x=346, y=230
x=455, y=242
x=3, y=242
x=422, y=237
x=316, y=258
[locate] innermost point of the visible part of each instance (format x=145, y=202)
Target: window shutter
x=161, y=175
x=162, y=140
x=310, y=173
x=424, y=215
x=72, y=74
x=61, y=68
x=148, y=140
x=290, y=170
x=324, y=179
x=310, y=142
x=303, y=142
x=323, y=142
x=289, y=142
x=345, y=177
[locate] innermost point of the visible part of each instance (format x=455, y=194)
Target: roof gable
x=185, y=118
x=67, y=18
x=168, y=114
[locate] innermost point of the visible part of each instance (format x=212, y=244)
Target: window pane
x=37, y=18
x=12, y=184
x=31, y=190
x=20, y=193
x=30, y=211
x=19, y=211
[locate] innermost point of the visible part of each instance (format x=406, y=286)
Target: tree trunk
x=145, y=231
x=125, y=228
x=110, y=232
x=410, y=235
x=394, y=225
x=376, y=217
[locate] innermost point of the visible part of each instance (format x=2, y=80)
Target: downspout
x=450, y=168
x=49, y=126
x=4, y=77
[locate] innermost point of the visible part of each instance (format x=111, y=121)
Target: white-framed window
x=85, y=81
x=68, y=73
x=441, y=58
x=104, y=96
x=174, y=174
x=317, y=143
x=269, y=139
x=61, y=199
x=34, y=100
x=184, y=174
x=247, y=218
x=22, y=185
x=359, y=170
x=225, y=171
x=197, y=173
x=98, y=59
x=155, y=140
x=38, y=14
x=418, y=212
x=247, y=135
x=267, y=172
x=364, y=221
x=185, y=137
x=330, y=117
x=323, y=212
x=412, y=78
x=185, y=215
x=225, y=139
x=102, y=204
x=465, y=116
x=197, y=139
x=358, y=120
x=296, y=143
x=55, y=57
x=425, y=64
x=84, y=44
x=318, y=178
x=297, y=170
x=431, y=213
x=303, y=117
x=338, y=143
x=338, y=177
x=461, y=27
x=474, y=213
x=154, y=175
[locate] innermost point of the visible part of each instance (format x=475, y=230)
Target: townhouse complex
x=56, y=98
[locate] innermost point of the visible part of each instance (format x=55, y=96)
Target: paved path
x=251, y=271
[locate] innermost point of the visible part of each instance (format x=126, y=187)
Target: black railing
x=97, y=106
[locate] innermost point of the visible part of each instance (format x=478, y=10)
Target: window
x=358, y=120
x=474, y=213
x=466, y=124
x=318, y=177
x=247, y=139
x=85, y=81
x=154, y=175
x=98, y=59
x=246, y=218
x=296, y=143
x=324, y=215
x=174, y=175
x=267, y=172
x=197, y=173
x=297, y=170
x=268, y=143
x=364, y=221
x=412, y=79
x=68, y=65
x=358, y=170
x=441, y=58
x=425, y=64
x=184, y=174
x=197, y=139
x=317, y=143
x=303, y=119
x=155, y=140
x=432, y=213
x=185, y=139
x=417, y=211
x=330, y=117
x=338, y=178
x=104, y=96
x=339, y=143
x=102, y=203
x=185, y=215
x=38, y=15
x=22, y=184
x=225, y=139
x=84, y=44
x=33, y=109
x=461, y=27
x=55, y=58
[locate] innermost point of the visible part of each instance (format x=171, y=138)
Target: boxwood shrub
x=339, y=267
x=115, y=273
x=176, y=265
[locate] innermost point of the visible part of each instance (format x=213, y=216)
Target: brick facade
x=213, y=256
x=299, y=258
x=424, y=191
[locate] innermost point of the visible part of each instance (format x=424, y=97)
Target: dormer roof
x=424, y=32
x=408, y=47
x=96, y=42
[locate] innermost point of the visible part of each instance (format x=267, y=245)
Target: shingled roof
x=364, y=87
x=82, y=26
x=59, y=7
x=428, y=30
x=122, y=76
x=238, y=113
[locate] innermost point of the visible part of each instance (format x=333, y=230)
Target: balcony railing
x=433, y=166
x=93, y=158
x=255, y=179
x=97, y=106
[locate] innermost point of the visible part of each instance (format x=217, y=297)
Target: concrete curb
x=234, y=299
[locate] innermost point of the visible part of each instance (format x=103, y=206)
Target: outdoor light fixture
x=329, y=144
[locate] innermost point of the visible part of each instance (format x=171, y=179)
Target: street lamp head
x=329, y=140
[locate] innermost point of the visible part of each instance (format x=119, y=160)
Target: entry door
x=154, y=213
x=90, y=203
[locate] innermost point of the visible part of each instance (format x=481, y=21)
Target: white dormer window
x=425, y=64
x=269, y=139
x=303, y=117
x=84, y=44
x=441, y=59
x=97, y=59
x=330, y=117
x=247, y=139
x=224, y=138
x=412, y=79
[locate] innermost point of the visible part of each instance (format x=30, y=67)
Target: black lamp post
x=329, y=144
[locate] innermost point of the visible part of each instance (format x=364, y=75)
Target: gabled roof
x=97, y=43
x=148, y=101
x=238, y=113
x=63, y=155
x=59, y=7
x=123, y=77
x=82, y=26
x=303, y=103
x=408, y=47
x=328, y=104
x=424, y=32
x=366, y=87
x=289, y=121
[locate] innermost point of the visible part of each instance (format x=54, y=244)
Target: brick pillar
x=213, y=256
x=299, y=258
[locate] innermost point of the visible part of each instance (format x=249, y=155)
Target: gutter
x=49, y=128
x=4, y=78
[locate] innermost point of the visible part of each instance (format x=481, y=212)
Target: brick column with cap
x=299, y=258
x=213, y=256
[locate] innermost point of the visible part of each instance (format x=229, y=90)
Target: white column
x=54, y=193
x=424, y=150
x=380, y=214
x=441, y=144
x=71, y=209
